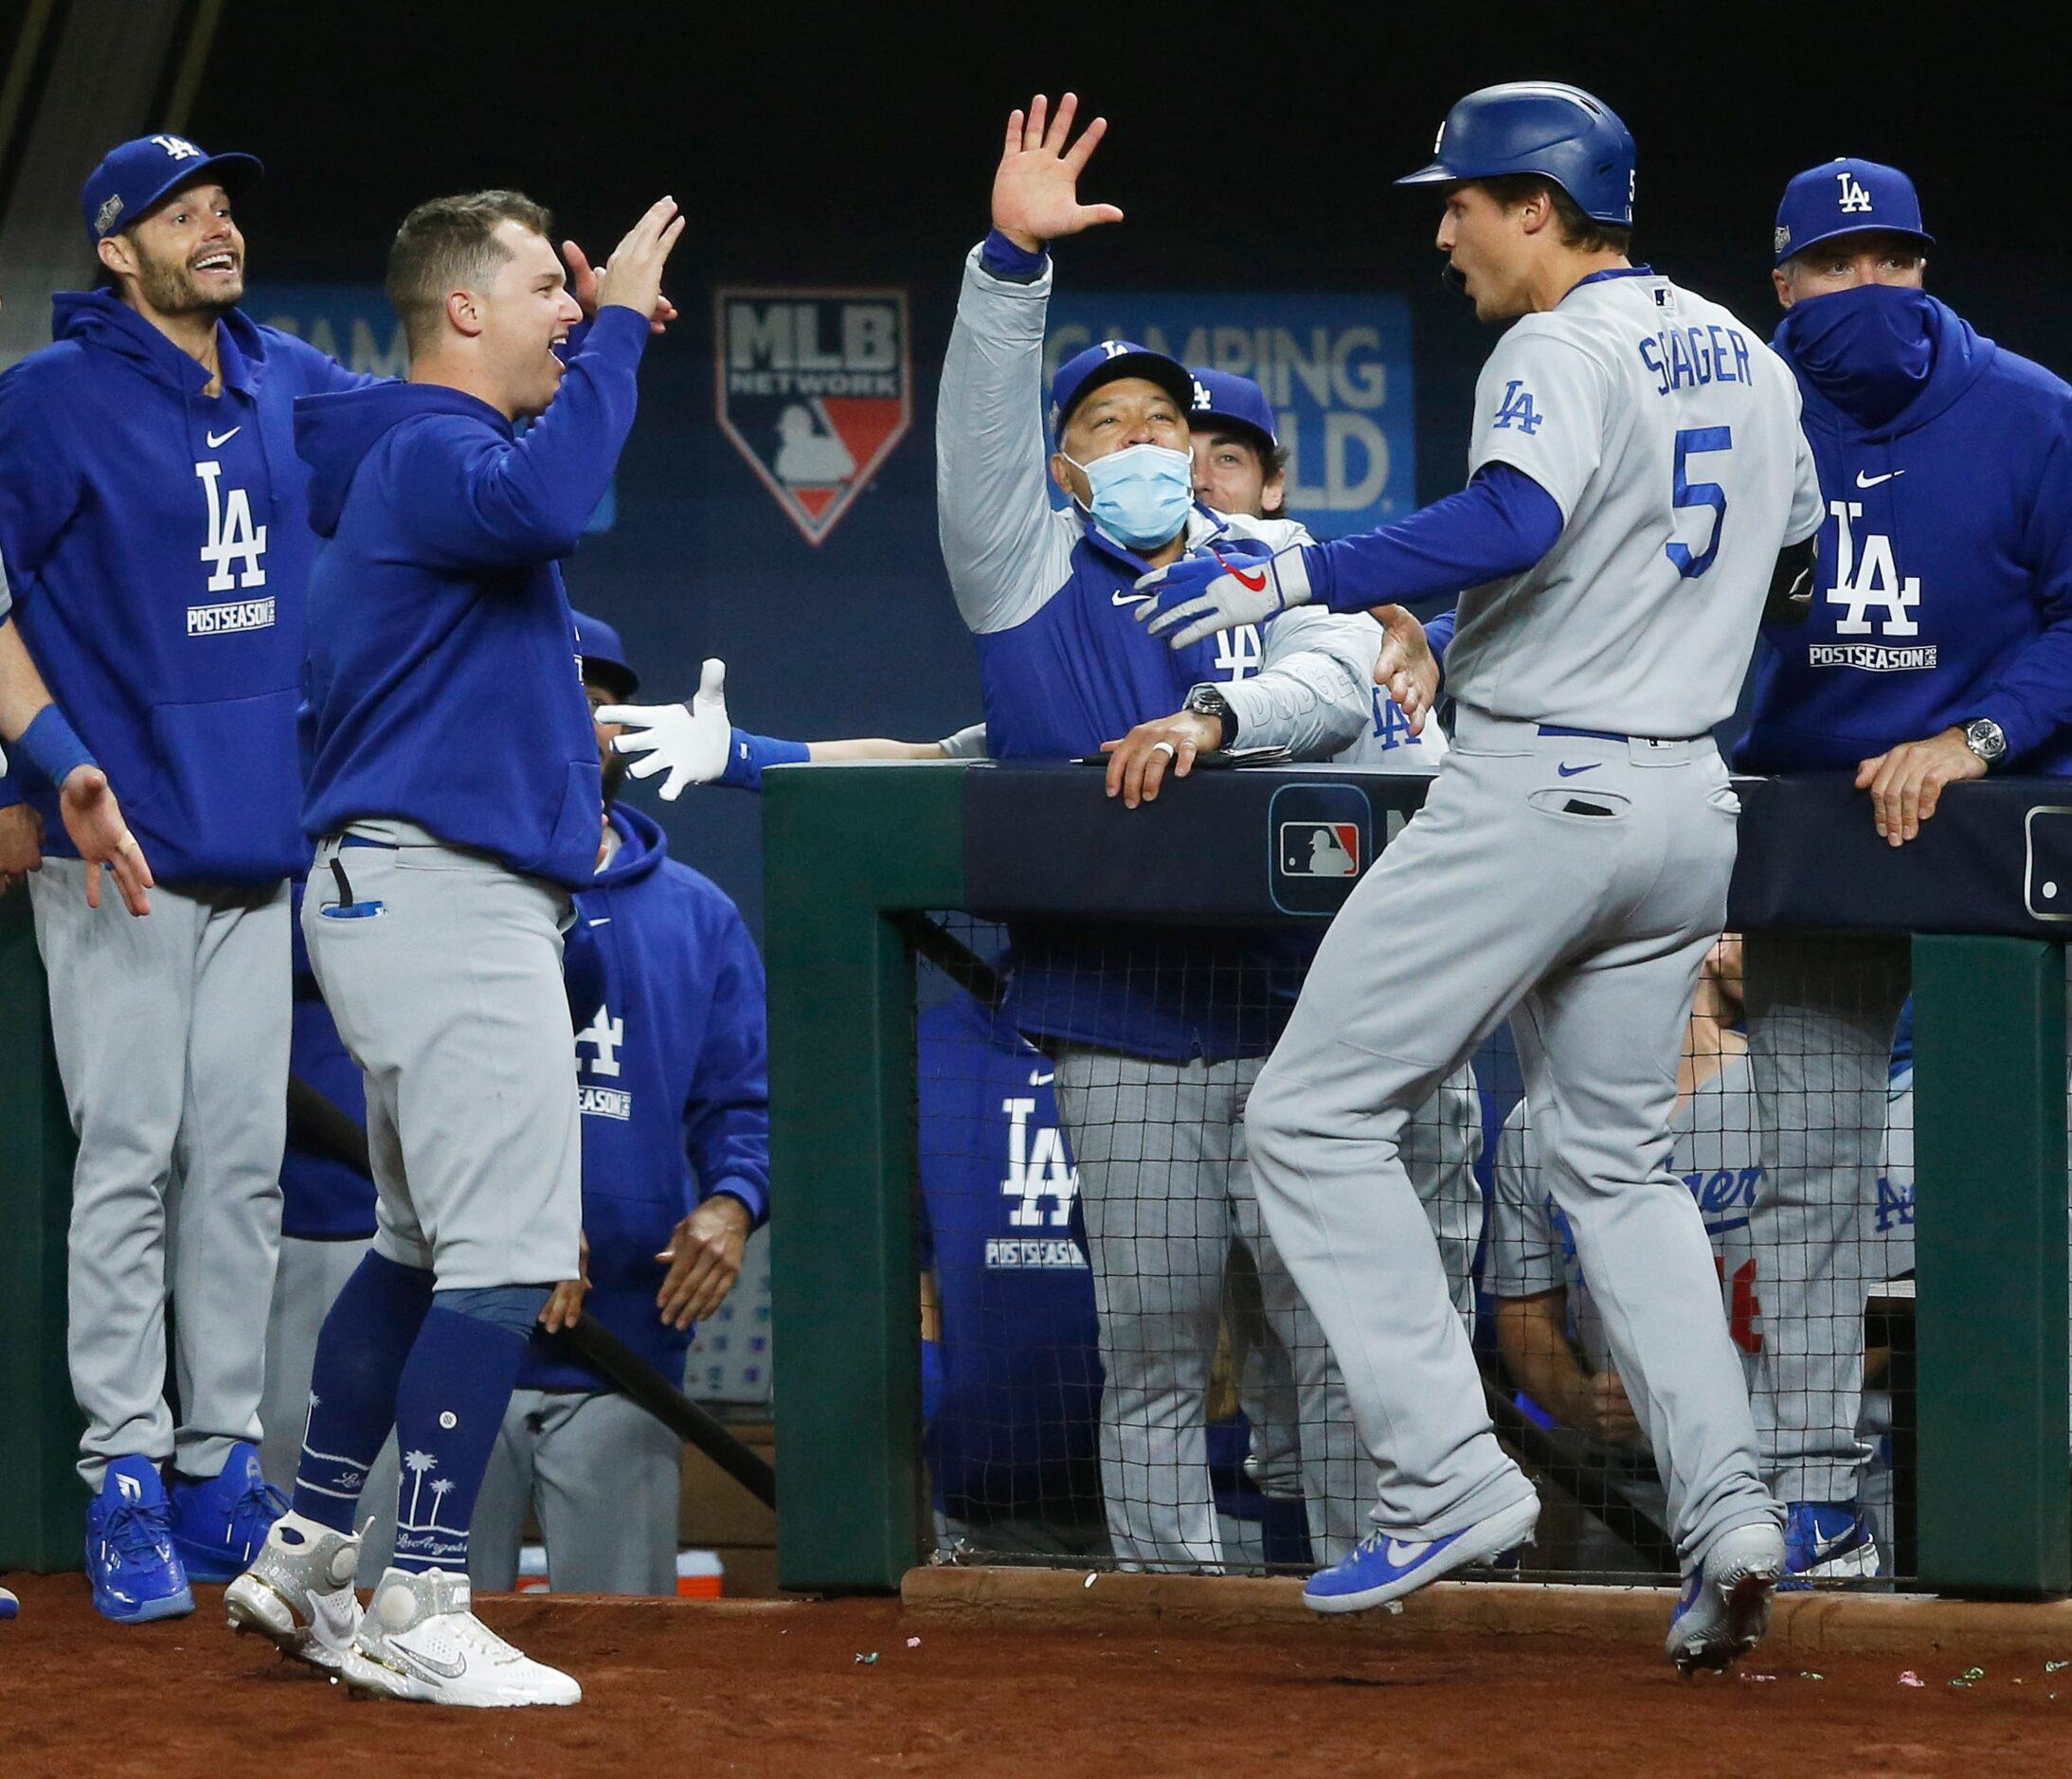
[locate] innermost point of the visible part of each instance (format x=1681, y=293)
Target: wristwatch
x=1987, y=739
x=1207, y=701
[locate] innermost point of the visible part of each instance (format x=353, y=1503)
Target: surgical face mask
x=1142, y=494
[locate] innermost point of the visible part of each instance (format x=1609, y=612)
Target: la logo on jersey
x=1038, y=1167
x=605, y=1036
x=1855, y=200
x=235, y=558
x=1866, y=578
x=1516, y=409
x=815, y=387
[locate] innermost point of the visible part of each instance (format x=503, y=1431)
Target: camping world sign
x=815, y=387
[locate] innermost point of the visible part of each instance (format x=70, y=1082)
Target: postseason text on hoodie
x=443, y=686
x=1942, y=590
x=159, y=548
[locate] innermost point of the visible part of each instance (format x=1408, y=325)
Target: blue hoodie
x=442, y=685
x=673, y=1074
x=1018, y=1426
x=159, y=548
x=1948, y=594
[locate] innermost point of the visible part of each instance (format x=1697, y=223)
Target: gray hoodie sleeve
x=1006, y=547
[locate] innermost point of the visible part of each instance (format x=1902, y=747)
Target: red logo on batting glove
x=1255, y=583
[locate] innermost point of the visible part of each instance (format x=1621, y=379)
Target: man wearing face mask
x=1156, y=1034
x=1932, y=644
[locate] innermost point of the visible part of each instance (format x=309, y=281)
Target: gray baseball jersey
x=1714, y=1152
x=1660, y=420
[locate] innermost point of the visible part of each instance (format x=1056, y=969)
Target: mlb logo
x=1322, y=839
x=1320, y=849
x=815, y=387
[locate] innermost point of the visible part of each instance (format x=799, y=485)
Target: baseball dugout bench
x=853, y=853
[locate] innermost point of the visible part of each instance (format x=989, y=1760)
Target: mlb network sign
x=1337, y=370
x=815, y=387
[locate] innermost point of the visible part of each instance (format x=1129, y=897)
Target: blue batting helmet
x=1544, y=127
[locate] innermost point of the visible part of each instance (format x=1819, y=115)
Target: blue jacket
x=672, y=1076
x=1016, y=1427
x=442, y=685
x=1949, y=596
x=159, y=548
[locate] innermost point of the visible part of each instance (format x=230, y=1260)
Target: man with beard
x=154, y=524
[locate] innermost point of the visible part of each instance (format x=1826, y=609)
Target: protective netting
x=1120, y=1369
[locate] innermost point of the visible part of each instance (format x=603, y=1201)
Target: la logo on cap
x=1854, y=198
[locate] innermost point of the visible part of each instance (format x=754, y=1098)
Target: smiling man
x=456, y=804
x=154, y=525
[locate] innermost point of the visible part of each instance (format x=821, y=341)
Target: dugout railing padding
x=850, y=850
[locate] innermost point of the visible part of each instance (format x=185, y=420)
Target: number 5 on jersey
x=1694, y=442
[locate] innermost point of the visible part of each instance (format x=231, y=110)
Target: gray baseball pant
x=1594, y=953
x=602, y=1475
x=1160, y=1147
x=450, y=999
x=172, y=1038
x=1822, y=1008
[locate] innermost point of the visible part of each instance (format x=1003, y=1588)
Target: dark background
x=1252, y=148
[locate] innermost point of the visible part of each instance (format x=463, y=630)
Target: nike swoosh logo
x=1131, y=599
x=214, y=442
x=1255, y=582
x=427, y=1665
x=1040, y=1078
x=603, y=920
x=1401, y=1555
x=1872, y=481
x=1569, y=772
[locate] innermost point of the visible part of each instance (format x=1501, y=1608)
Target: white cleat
x=1726, y=1599
x=298, y=1593
x=420, y=1640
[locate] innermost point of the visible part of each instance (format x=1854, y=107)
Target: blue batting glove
x=1228, y=587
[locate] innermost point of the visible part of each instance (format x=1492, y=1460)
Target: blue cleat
x=136, y=1573
x=1827, y=1541
x=1383, y=1568
x=1724, y=1608
x=220, y=1525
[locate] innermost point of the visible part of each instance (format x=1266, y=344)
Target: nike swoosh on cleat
x=440, y=1670
x=214, y=442
x=1569, y=772
x=1402, y=1554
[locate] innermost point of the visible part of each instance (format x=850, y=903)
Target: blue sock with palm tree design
x=360, y=1350
x=449, y=1407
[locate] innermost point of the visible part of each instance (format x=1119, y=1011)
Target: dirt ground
x=718, y=1687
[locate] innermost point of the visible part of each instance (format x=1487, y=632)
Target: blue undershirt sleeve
x=1501, y=524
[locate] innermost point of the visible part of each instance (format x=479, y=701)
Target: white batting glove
x=1199, y=595
x=688, y=742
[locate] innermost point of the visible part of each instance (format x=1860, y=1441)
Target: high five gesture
x=1035, y=191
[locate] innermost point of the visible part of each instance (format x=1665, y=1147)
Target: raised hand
x=688, y=742
x=1220, y=591
x=1036, y=191
x=632, y=277
x=583, y=287
x=94, y=819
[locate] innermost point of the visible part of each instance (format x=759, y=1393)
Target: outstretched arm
x=1000, y=537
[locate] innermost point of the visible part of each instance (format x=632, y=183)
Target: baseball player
x=671, y=1064
x=455, y=800
x=1636, y=475
x=1549, y=1331
x=1933, y=644
x=154, y=521
x=1011, y=1372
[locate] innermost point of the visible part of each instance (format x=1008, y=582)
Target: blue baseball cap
x=1846, y=197
x=1225, y=395
x=132, y=179
x=602, y=650
x=1084, y=372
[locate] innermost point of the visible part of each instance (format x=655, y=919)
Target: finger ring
x=1167, y=747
